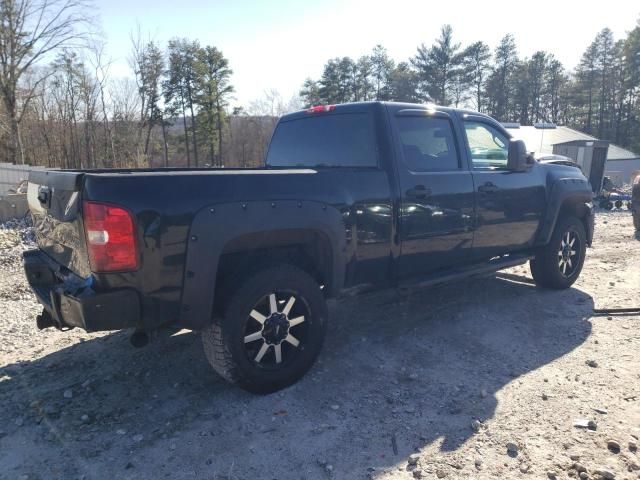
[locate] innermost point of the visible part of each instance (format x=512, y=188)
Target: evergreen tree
x=500, y=84
x=383, y=68
x=310, y=93
x=403, y=84
x=214, y=89
x=438, y=67
x=477, y=64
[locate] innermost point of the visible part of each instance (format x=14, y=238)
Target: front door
x=509, y=205
x=436, y=212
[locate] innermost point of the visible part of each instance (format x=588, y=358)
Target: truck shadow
x=397, y=373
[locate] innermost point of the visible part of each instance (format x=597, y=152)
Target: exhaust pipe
x=139, y=339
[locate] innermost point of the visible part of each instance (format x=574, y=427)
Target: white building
x=548, y=138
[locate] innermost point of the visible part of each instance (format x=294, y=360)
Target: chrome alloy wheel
x=569, y=253
x=273, y=339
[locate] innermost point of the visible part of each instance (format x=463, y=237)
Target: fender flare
x=563, y=190
x=215, y=226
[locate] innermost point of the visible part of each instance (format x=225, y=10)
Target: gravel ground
x=490, y=378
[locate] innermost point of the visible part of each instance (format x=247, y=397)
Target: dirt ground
x=481, y=379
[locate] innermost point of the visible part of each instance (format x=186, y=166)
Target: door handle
x=488, y=187
x=419, y=191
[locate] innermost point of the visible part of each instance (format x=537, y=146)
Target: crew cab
x=378, y=194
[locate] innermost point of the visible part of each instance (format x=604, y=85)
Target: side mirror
x=517, y=159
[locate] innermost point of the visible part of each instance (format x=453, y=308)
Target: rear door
x=436, y=188
x=54, y=200
x=509, y=205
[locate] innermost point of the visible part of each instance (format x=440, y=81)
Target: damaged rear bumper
x=70, y=301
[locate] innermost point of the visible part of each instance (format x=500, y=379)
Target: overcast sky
x=276, y=44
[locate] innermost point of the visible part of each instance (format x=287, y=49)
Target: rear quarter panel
x=170, y=208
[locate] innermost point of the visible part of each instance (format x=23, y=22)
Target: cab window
x=488, y=146
x=428, y=144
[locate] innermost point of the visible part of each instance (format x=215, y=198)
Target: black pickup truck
x=379, y=194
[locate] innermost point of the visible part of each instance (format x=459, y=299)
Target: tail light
x=321, y=109
x=110, y=237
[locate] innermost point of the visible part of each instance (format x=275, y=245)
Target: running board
x=475, y=270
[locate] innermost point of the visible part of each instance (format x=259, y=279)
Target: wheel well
x=573, y=207
x=308, y=250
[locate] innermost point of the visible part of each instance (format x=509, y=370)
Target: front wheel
x=558, y=264
x=271, y=331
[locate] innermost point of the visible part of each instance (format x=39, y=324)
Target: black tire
x=249, y=315
x=554, y=265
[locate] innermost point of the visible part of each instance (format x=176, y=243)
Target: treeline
x=61, y=107
x=601, y=96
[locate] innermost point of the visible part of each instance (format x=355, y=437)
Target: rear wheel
x=271, y=331
x=558, y=264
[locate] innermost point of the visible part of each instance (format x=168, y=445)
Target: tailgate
x=54, y=199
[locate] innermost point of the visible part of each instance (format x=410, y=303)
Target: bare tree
x=29, y=31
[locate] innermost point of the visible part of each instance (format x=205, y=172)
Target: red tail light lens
x=110, y=237
x=321, y=109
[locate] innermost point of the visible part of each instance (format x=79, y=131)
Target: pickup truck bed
x=372, y=193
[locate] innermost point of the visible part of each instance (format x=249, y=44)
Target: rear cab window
x=324, y=140
x=428, y=144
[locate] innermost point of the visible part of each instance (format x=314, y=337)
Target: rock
x=478, y=463
x=552, y=475
x=138, y=438
x=574, y=456
x=414, y=376
x=578, y=467
x=592, y=363
x=120, y=431
x=417, y=473
x=613, y=445
x=51, y=410
x=413, y=459
x=581, y=423
x=19, y=421
x=335, y=407
x=592, y=425
x=86, y=383
x=584, y=475
x=476, y=425
x=85, y=418
x=440, y=473
x=512, y=448
x=524, y=468
x=68, y=393
x=545, y=396
x=633, y=446
x=483, y=393
x=600, y=410
x=606, y=474
x=329, y=468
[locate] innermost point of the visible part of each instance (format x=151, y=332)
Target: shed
x=591, y=155
x=541, y=138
